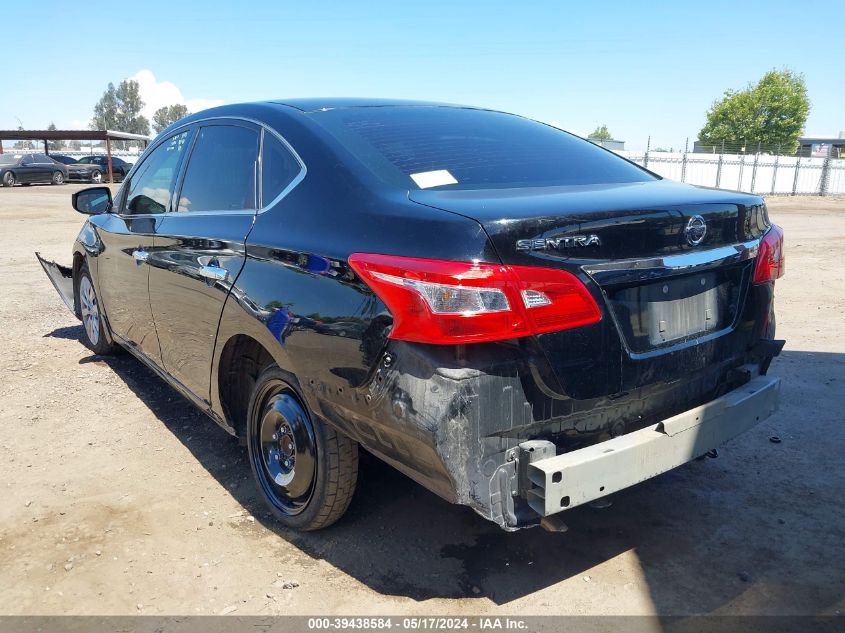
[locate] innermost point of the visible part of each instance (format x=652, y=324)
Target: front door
x=26, y=172
x=200, y=248
x=127, y=235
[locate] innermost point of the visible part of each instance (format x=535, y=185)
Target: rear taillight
x=447, y=303
x=770, y=259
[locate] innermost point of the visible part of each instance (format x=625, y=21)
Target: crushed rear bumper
x=553, y=483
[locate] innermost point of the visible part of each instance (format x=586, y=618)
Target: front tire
x=58, y=178
x=92, y=319
x=305, y=470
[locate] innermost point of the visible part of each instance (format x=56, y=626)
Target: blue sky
x=642, y=68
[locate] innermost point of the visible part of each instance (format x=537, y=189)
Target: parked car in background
x=519, y=320
x=27, y=169
x=64, y=160
x=96, y=169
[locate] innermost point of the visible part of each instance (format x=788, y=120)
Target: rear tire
x=305, y=470
x=9, y=179
x=97, y=177
x=93, y=325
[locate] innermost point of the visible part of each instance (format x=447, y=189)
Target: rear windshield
x=9, y=159
x=460, y=148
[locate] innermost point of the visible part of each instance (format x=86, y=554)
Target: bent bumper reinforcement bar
x=557, y=483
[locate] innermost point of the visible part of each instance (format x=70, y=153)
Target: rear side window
x=152, y=185
x=421, y=147
x=221, y=171
x=279, y=168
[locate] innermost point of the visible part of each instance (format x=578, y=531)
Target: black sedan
x=64, y=159
x=96, y=169
x=518, y=319
x=27, y=169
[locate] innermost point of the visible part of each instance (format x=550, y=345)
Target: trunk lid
x=631, y=220
x=676, y=305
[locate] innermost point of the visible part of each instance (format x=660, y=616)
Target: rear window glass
x=461, y=148
x=279, y=168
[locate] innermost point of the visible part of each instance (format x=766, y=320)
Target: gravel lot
x=119, y=498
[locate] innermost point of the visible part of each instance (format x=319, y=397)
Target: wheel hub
x=287, y=445
x=287, y=452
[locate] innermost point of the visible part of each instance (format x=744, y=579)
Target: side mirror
x=93, y=200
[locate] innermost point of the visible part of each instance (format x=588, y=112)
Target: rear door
x=127, y=239
x=200, y=247
x=44, y=168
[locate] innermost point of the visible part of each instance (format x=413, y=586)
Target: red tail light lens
x=447, y=303
x=771, y=263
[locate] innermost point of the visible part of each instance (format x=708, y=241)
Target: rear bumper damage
x=465, y=427
x=552, y=483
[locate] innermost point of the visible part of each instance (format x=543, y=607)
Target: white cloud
x=157, y=94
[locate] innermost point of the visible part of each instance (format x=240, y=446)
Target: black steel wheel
x=306, y=471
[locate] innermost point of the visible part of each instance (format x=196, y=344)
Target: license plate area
x=677, y=309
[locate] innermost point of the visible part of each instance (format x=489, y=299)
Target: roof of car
x=333, y=103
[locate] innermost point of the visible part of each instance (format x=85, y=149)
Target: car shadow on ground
x=702, y=535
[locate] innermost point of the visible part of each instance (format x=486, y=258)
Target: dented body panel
x=682, y=327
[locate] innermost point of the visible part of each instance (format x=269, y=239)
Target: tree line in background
x=51, y=145
x=120, y=109
x=771, y=113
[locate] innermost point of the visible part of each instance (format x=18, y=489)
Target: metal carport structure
x=73, y=135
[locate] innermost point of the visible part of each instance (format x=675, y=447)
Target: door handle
x=214, y=273
x=140, y=256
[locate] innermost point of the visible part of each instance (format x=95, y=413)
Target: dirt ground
x=119, y=498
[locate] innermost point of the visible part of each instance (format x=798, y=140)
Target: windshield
x=9, y=159
x=460, y=148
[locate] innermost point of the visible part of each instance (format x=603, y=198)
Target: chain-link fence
x=759, y=173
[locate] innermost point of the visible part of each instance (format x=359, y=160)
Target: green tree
x=601, y=133
x=771, y=113
x=168, y=114
x=120, y=109
x=53, y=146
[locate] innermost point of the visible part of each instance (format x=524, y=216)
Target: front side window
x=151, y=187
x=278, y=168
x=221, y=170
